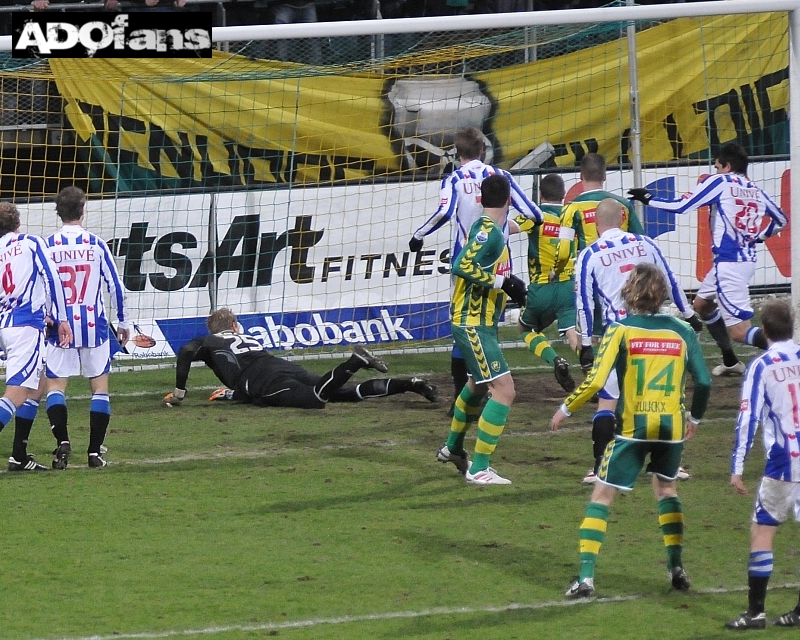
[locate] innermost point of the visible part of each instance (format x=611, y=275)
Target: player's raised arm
x=448, y=199
x=522, y=203
x=706, y=192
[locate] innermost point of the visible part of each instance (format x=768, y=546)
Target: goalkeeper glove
x=642, y=195
x=696, y=323
x=586, y=358
x=415, y=244
x=175, y=398
x=515, y=289
x=221, y=394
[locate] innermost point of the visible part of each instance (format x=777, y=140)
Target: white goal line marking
x=391, y=615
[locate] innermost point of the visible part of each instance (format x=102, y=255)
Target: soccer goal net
x=284, y=177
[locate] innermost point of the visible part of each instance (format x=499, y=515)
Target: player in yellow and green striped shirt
x=579, y=212
x=652, y=353
x=483, y=279
x=579, y=215
x=551, y=294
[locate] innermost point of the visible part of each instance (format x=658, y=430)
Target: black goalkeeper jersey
x=240, y=363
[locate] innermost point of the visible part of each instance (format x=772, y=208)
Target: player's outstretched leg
x=332, y=381
x=539, y=346
x=367, y=360
x=383, y=387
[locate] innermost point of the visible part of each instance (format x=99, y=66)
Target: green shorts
x=480, y=348
x=623, y=460
x=549, y=302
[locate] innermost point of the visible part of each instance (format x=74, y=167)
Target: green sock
x=539, y=345
x=592, y=536
x=670, y=519
x=490, y=425
x=466, y=410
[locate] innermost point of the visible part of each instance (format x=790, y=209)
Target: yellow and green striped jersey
x=485, y=255
x=543, y=241
x=652, y=355
x=580, y=216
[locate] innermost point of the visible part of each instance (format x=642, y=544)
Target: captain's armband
x=566, y=233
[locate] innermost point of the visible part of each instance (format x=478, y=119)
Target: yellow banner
x=700, y=82
x=244, y=121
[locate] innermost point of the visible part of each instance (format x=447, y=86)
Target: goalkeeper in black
x=253, y=375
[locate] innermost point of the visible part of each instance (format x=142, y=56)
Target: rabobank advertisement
x=336, y=327
x=326, y=267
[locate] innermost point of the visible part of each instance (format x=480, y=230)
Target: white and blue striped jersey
x=29, y=283
x=460, y=194
x=84, y=262
x=771, y=396
x=738, y=208
x=602, y=269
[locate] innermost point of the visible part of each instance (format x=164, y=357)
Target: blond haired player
x=601, y=271
x=652, y=353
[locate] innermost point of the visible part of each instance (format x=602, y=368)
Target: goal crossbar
x=488, y=21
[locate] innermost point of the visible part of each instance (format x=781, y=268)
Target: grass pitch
x=232, y=522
